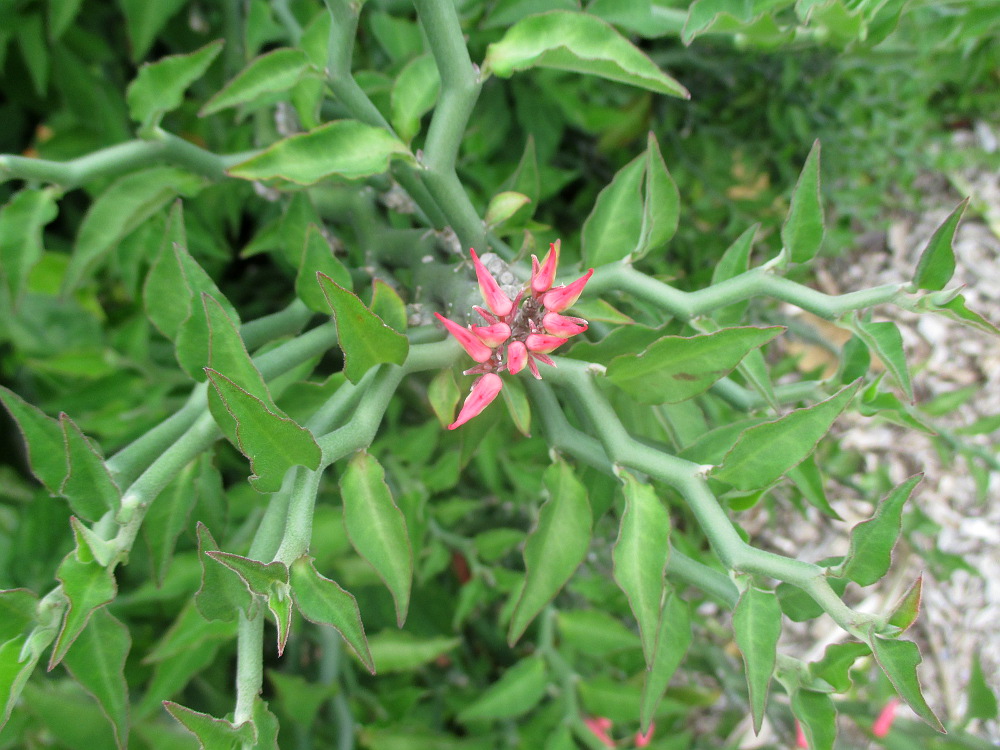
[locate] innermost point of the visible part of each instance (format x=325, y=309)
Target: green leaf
x=757, y=626
x=212, y=733
x=555, y=547
x=43, y=437
x=259, y=577
x=676, y=368
x=97, y=661
x=318, y=257
x=414, y=93
x=272, y=443
x=982, y=701
x=279, y=602
x=673, y=638
x=145, y=21
x=125, y=205
x=171, y=676
x=802, y=232
x=168, y=517
x=396, y=651
x=764, y=452
x=276, y=71
x=388, y=306
x=937, y=261
x=159, y=87
x=443, y=394
x=835, y=666
x=808, y=478
x=594, y=632
x=614, y=227
x=817, y=716
x=515, y=398
x=17, y=612
x=886, y=341
x=191, y=629
x=299, y=697
x=62, y=13
x=323, y=601
x=872, y=541
x=518, y=691
x=342, y=148
x=364, y=338
x=899, y=660
x=266, y=725
x=640, y=558
x=22, y=220
x=377, y=528
x=503, y=206
x=14, y=673
x=577, y=42
x=87, y=586
x=89, y=546
x=222, y=593
x=661, y=202
x=955, y=309
x=904, y=614
x=88, y=485
x=734, y=261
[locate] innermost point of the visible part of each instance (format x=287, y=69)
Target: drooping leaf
x=212, y=733
x=555, y=547
x=518, y=691
x=88, y=485
x=817, y=716
x=672, y=641
x=43, y=437
x=342, y=148
x=614, y=227
x=764, y=452
x=886, y=341
x=937, y=261
x=364, y=338
x=802, y=232
x=377, y=528
x=640, y=558
x=872, y=541
x=899, y=660
x=676, y=368
x=577, y=42
x=317, y=257
x=22, y=220
x=87, y=586
x=323, y=601
x=222, y=593
x=414, y=93
x=757, y=626
x=399, y=651
x=159, y=87
x=276, y=71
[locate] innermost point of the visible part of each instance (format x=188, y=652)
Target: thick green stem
x=249, y=666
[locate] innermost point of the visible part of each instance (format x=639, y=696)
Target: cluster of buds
x=519, y=332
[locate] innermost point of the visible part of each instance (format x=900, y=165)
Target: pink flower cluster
x=518, y=333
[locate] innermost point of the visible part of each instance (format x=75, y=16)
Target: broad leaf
x=757, y=626
x=212, y=733
x=317, y=257
x=22, y=220
x=414, y=93
x=364, y=338
x=87, y=586
x=222, y=593
x=802, y=232
x=555, y=547
x=43, y=437
x=872, y=541
x=342, y=148
x=764, y=452
x=517, y=692
x=817, y=716
x=377, y=528
x=676, y=368
x=577, y=42
x=672, y=641
x=159, y=87
x=899, y=660
x=614, y=227
x=276, y=71
x=88, y=485
x=937, y=261
x=835, y=666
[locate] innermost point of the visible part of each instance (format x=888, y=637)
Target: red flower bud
x=542, y=275
x=475, y=348
x=543, y=343
x=563, y=326
x=494, y=297
x=517, y=357
x=562, y=297
x=483, y=392
x=493, y=335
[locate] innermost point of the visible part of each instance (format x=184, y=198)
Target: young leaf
x=661, y=202
x=364, y=338
x=899, y=660
x=578, y=42
x=399, y=651
x=503, y=206
x=414, y=93
x=886, y=341
x=764, y=452
x=272, y=443
x=276, y=71
x=802, y=232
x=97, y=661
x=323, y=601
x=212, y=733
x=377, y=528
x=676, y=368
x=222, y=592
x=904, y=614
x=614, y=227
x=937, y=261
x=870, y=553
x=159, y=87
x=640, y=558
x=87, y=586
x=734, y=261
x=88, y=485
x=517, y=692
x=672, y=641
x=280, y=605
x=817, y=716
x=757, y=626
x=343, y=148
x=22, y=220
x=43, y=437
x=555, y=547
x=317, y=257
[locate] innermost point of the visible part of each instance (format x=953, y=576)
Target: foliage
x=226, y=228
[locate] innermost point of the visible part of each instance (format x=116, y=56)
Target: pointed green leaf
x=43, y=437
x=317, y=257
x=872, y=541
x=640, y=558
x=222, y=593
x=555, y=547
x=899, y=660
x=212, y=733
x=835, y=666
x=676, y=368
x=399, y=651
x=300, y=697
x=982, y=701
x=144, y=22
x=525, y=179
x=518, y=691
x=87, y=586
x=802, y=232
x=764, y=452
x=377, y=528
x=259, y=577
x=594, y=632
x=159, y=87
x=89, y=546
x=342, y=148
x=88, y=485
x=614, y=227
x=886, y=341
x=266, y=725
x=503, y=206
x=443, y=394
x=191, y=629
x=280, y=605
x=168, y=517
x=817, y=716
x=364, y=338
x=515, y=398
x=388, y=306
x=275, y=71
x=14, y=673
x=323, y=601
x=757, y=626
x=904, y=614
x=272, y=443
x=937, y=261
x=661, y=202
x=734, y=261
x=97, y=661
x=22, y=220
x=808, y=478
x=414, y=93
x=955, y=309
x=578, y=42
x=172, y=675
x=673, y=638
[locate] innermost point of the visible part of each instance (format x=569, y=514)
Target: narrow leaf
x=279, y=603
x=168, y=517
x=937, y=261
x=661, y=202
x=443, y=394
x=212, y=733
x=43, y=437
x=899, y=660
x=87, y=586
x=159, y=87
x=757, y=626
x=872, y=541
x=672, y=641
x=802, y=232
x=377, y=528
x=516, y=400
x=17, y=612
x=276, y=71
x=517, y=692
x=886, y=341
x=88, y=485
x=614, y=227
x=22, y=220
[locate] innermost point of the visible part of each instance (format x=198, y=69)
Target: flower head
x=519, y=332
